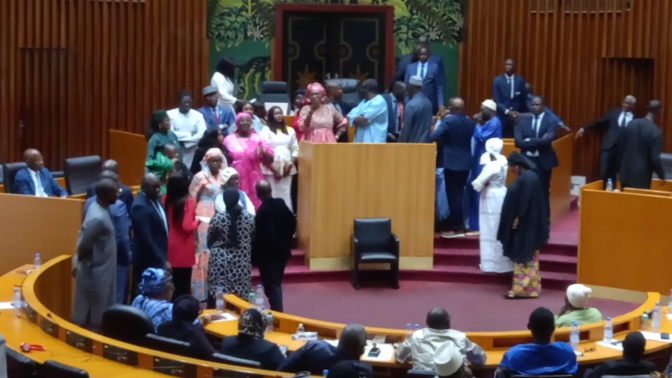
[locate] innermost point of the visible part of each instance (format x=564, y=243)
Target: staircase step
x=470, y=257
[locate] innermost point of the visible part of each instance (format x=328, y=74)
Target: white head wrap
x=578, y=295
x=448, y=359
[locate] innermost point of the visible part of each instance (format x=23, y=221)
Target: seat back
x=81, y=172
x=627, y=376
x=8, y=172
x=3, y=357
x=350, y=90
x=167, y=345
x=20, y=366
x=55, y=369
x=274, y=91
x=127, y=324
x=224, y=359
x=373, y=234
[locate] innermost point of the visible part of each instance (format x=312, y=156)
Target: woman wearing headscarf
x=222, y=79
x=317, y=119
x=248, y=151
x=285, y=147
x=248, y=107
x=204, y=188
x=230, y=243
x=159, y=134
x=491, y=183
x=576, y=307
x=250, y=344
x=184, y=327
x=211, y=139
x=523, y=227
x=230, y=179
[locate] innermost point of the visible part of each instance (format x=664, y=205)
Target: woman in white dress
x=491, y=184
x=222, y=79
x=282, y=140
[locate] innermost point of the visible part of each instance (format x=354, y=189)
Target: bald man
x=35, y=180
x=640, y=146
x=125, y=193
x=370, y=117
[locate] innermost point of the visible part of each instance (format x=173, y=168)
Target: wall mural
x=243, y=29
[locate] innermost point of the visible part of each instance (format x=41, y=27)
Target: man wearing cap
x=417, y=115
x=576, y=307
x=156, y=290
x=370, y=117
x=449, y=362
x=216, y=116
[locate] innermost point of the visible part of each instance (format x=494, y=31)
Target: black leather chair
x=20, y=366
x=127, y=324
x=374, y=242
x=167, y=345
x=274, y=91
x=350, y=91
x=54, y=369
x=80, y=173
x=224, y=359
x=8, y=172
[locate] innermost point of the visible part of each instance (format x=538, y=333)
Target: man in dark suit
x=402, y=64
x=534, y=136
x=150, y=229
x=271, y=248
x=35, y=180
x=216, y=116
x=509, y=93
x=433, y=78
x=335, y=97
x=125, y=193
x=641, y=143
x=395, y=104
x=615, y=120
x=453, y=135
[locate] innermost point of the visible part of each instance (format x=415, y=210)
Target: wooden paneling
x=72, y=69
x=129, y=150
x=584, y=56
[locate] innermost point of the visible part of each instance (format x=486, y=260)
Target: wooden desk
x=59, y=180
x=129, y=150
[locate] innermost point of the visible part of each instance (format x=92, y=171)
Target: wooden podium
x=344, y=181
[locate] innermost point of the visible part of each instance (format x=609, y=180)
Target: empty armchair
x=274, y=92
x=80, y=173
x=8, y=172
x=127, y=324
x=374, y=242
x=20, y=366
x=51, y=368
x=167, y=345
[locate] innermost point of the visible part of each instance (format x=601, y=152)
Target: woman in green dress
x=159, y=134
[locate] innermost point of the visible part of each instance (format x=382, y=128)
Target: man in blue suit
x=125, y=193
x=433, y=78
x=402, y=64
x=510, y=95
x=534, y=136
x=216, y=116
x=35, y=180
x=453, y=134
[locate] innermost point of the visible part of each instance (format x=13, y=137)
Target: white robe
x=491, y=183
x=225, y=89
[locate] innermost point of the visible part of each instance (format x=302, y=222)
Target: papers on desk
x=654, y=336
x=615, y=344
x=224, y=317
x=6, y=306
x=386, y=353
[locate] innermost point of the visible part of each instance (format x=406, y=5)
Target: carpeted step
x=472, y=243
x=470, y=257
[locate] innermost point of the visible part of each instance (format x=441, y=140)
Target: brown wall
x=582, y=60
x=72, y=69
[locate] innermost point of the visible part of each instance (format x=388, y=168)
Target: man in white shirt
x=188, y=124
x=423, y=344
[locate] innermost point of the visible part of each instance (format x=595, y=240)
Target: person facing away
x=370, y=117
x=632, y=363
x=453, y=135
x=423, y=41
x=425, y=342
x=317, y=355
x=275, y=225
x=395, y=104
x=183, y=326
x=541, y=357
x=125, y=193
x=417, y=114
x=615, y=120
x=641, y=143
x=433, y=78
x=576, y=307
x=217, y=117
x=35, y=180
x=156, y=289
x=223, y=79
x=249, y=344
x=510, y=95
x=95, y=260
x=121, y=220
x=187, y=124
x=449, y=362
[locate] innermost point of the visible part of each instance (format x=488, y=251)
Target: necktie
x=424, y=70
x=39, y=189
x=536, y=126
x=624, y=116
x=511, y=85
x=216, y=113
x=162, y=215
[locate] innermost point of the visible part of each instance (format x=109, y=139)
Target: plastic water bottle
x=608, y=330
x=300, y=330
x=417, y=326
x=644, y=322
x=574, y=337
x=259, y=296
x=610, y=186
x=655, y=320
x=269, y=321
x=37, y=261
x=219, y=299
x=325, y=372
x=252, y=298
x=409, y=331
x=16, y=301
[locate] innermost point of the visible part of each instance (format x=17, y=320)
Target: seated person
x=156, y=289
x=35, y=180
x=125, y=193
x=424, y=343
x=449, y=362
x=318, y=355
x=541, y=357
x=185, y=327
x=576, y=307
x=631, y=364
x=250, y=344
x=162, y=163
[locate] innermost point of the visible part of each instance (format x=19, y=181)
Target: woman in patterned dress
x=230, y=243
x=318, y=119
x=204, y=187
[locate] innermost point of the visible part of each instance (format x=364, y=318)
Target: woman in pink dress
x=317, y=119
x=247, y=151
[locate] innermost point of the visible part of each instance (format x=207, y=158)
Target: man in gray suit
x=95, y=260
